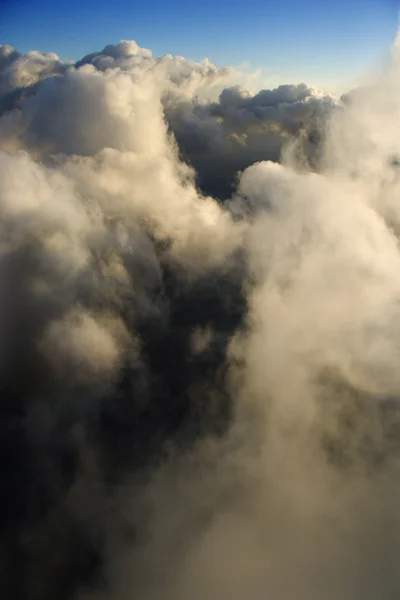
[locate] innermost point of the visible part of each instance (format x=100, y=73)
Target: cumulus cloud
x=199, y=383
x=224, y=137
x=18, y=72
x=219, y=130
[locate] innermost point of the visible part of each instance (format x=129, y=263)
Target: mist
x=200, y=332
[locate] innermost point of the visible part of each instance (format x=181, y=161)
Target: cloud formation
x=219, y=130
x=199, y=381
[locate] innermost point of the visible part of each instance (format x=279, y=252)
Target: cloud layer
x=199, y=344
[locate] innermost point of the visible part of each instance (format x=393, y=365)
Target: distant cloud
x=218, y=138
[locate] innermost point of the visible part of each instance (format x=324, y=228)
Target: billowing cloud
x=19, y=72
x=199, y=381
x=218, y=132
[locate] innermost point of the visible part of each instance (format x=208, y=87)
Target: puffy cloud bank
x=220, y=130
x=199, y=382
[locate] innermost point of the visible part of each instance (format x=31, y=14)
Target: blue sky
x=320, y=41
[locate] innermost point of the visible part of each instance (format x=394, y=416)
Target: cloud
x=19, y=73
x=224, y=137
x=218, y=135
x=199, y=382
